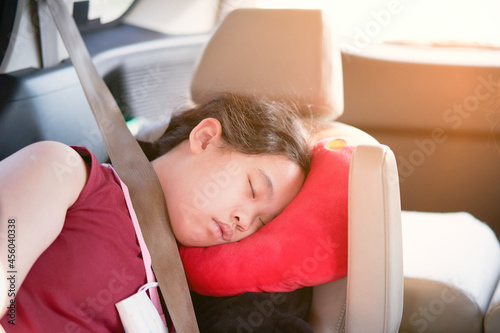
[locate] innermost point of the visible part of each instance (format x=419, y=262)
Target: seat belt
x=136, y=172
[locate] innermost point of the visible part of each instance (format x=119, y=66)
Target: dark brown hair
x=249, y=125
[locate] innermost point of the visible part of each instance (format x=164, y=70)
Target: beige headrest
x=275, y=53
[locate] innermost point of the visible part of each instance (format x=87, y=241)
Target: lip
x=222, y=231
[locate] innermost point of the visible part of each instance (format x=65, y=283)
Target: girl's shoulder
x=48, y=164
x=62, y=165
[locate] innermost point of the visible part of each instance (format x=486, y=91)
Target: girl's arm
x=37, y=186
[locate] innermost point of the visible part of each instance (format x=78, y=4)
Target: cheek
x=187, y=220
x=216, y=188
x=185, y=192
x=180, y=204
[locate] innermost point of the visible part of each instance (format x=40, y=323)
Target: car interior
x=411, y=86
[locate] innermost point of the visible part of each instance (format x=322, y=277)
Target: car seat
x=290, y=54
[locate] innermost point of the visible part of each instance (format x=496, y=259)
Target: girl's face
x=215, y=196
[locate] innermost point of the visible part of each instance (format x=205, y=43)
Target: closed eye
x=261, y=221
x=251, y=188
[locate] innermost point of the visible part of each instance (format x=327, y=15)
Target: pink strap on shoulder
x=146, y=257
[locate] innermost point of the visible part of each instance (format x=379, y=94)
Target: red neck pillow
x=306, y=245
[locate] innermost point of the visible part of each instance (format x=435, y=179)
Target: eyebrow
x=269, y=182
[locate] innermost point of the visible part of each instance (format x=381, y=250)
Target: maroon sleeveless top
x=94, y=263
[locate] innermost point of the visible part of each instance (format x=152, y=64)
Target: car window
x=472, y=23
x=108, y=10
x=7, y=16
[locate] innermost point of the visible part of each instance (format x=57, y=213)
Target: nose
x=242, y=221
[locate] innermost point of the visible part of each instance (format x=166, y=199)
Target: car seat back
x=291, y=54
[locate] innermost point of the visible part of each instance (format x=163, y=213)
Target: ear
x=208, y=131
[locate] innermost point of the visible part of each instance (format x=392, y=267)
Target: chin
x=198, y=243
x=188, y=241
